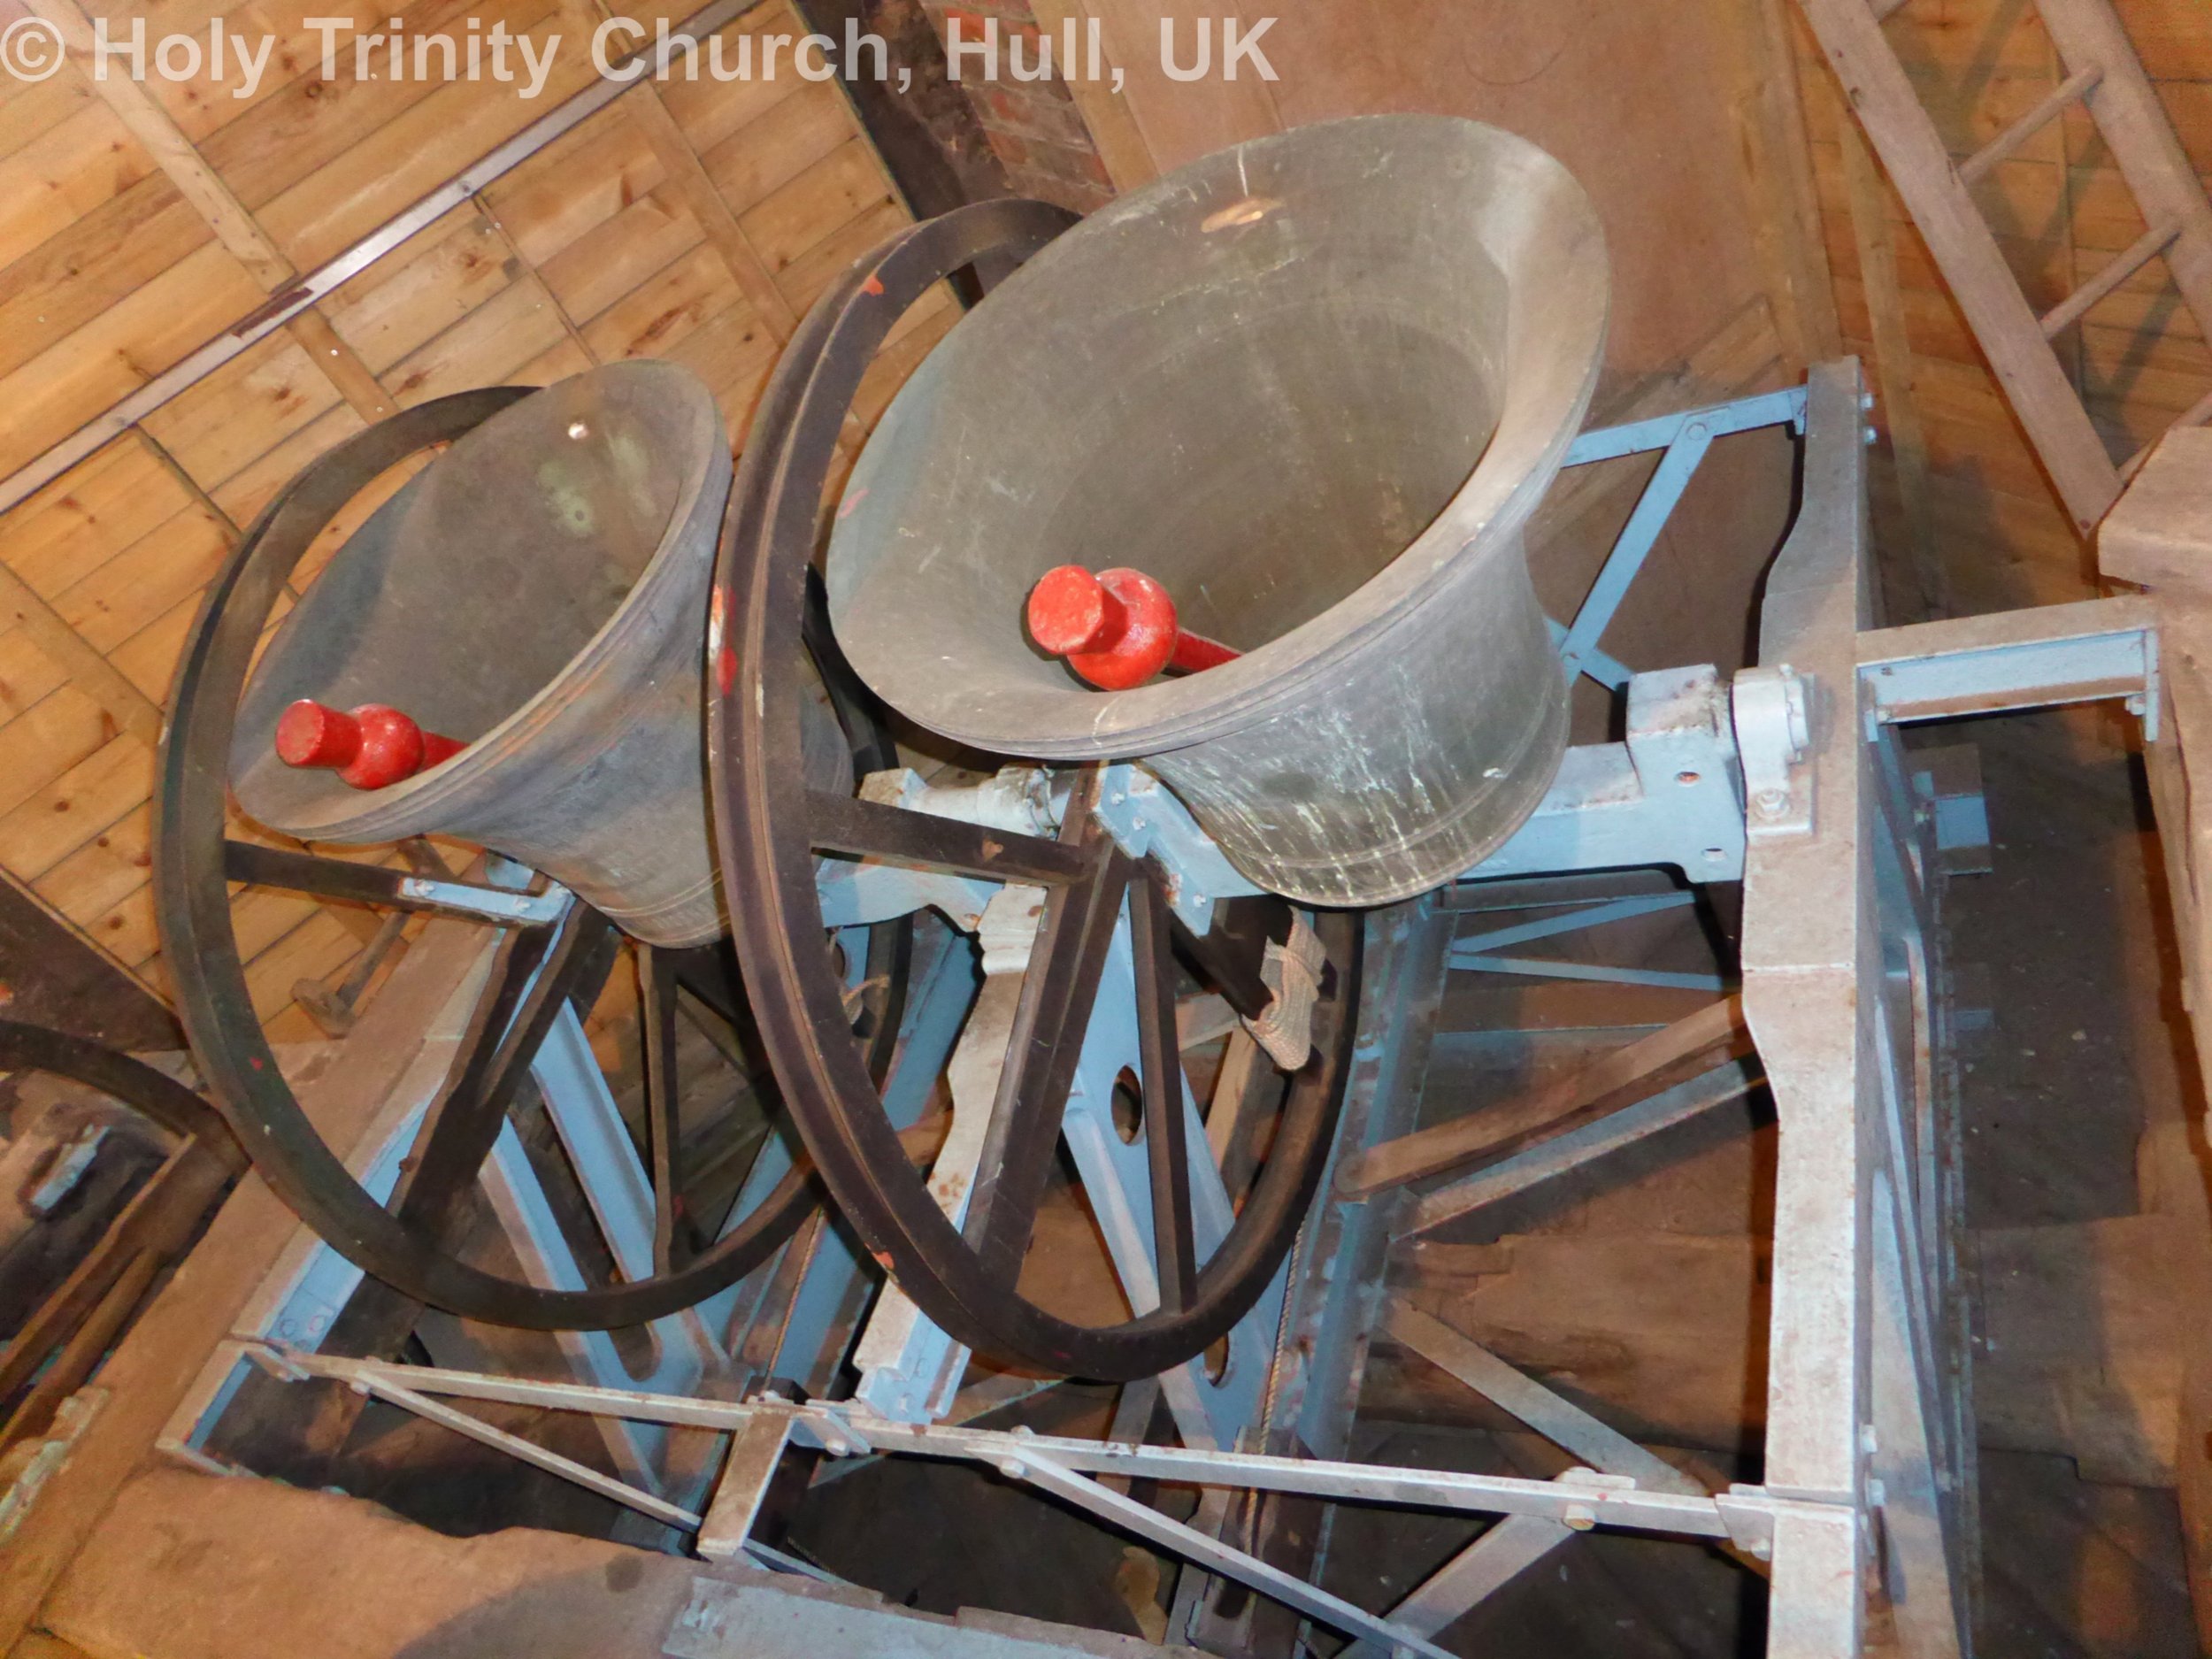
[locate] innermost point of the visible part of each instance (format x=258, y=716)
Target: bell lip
x=1530, y=775
x=1500, y=493
x=392, y=812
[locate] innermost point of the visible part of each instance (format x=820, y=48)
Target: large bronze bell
x=1315, y=385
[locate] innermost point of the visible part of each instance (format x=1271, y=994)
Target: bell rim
x=1493, y=504
x=398, y=809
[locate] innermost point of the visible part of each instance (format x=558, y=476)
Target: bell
x=1314, y=385
x=537, y=592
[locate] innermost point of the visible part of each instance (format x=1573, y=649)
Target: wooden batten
x=694, y=221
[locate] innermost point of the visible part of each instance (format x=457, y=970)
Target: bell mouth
x=510, y=570
x=1296, y=382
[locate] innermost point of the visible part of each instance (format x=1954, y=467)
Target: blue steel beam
x=1591, y=916
x=1539, y=968
x=1685, y=436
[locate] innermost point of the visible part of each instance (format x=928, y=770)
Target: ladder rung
x=2027, y=127
x=2118, y=270
x=2195, y=415
x=1885, y=9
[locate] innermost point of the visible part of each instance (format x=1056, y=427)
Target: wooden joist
x=1667, y=1057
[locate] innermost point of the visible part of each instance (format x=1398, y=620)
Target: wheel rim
x=768, y=840
x=533, y=969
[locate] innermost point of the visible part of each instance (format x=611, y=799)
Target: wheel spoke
x=1230, y=952
x=841, y=824
x=531, y=983
x=657, y=1021
x=1046, y=1041
x=343, y=879
x=1167, y=1144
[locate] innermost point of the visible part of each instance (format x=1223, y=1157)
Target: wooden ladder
x=2105, y=76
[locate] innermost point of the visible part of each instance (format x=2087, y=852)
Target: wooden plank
x=90, y=882
x=1769, y=122
x=248, y=489
x=85, y=799
x=151, y=125
x=826, y=197
x=244, y=410
x=605, y=264
x=1893, y=365
x=731, y=241
x=144, y=581
x=574, y=186
x=769, y=152
x=149, y=658
x=95, y=262
x=88, y=514
x=1889, y=109
x=520, y=323
x=91, y=674
x=803, y=279
x=64, y=386
x=654, y=317
x=339, y=364
x=1658, y=1061
x=2172, y=1179
x=29, y=110
x=709, y=111
x=310, y=123
x=26, y=673
x=64, y=174
x=2159, y=533
x=353, y=193
x=2142, y=139
x=732, y=353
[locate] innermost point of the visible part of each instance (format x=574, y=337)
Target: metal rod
x=1594, y=916
x=552, y=1462
x=2075, y=86
x=844, y=1431
x=1542, y=968
x=1637, y=538
x=1230, y=1563
x=1556, y=1418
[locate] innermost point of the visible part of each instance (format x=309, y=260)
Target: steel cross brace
x=1685, y=438
x=1577, y=1500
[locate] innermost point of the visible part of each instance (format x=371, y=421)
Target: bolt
x=1866, y=402
x=1867, y=434
x=1014, y=1469
x=1580, y=1517
x=1685, y=778
x=1771, y=803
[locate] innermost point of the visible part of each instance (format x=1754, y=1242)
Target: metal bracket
x=1773, y=717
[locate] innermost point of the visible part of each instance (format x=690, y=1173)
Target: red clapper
x=1117, y=628
x=372, y=747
